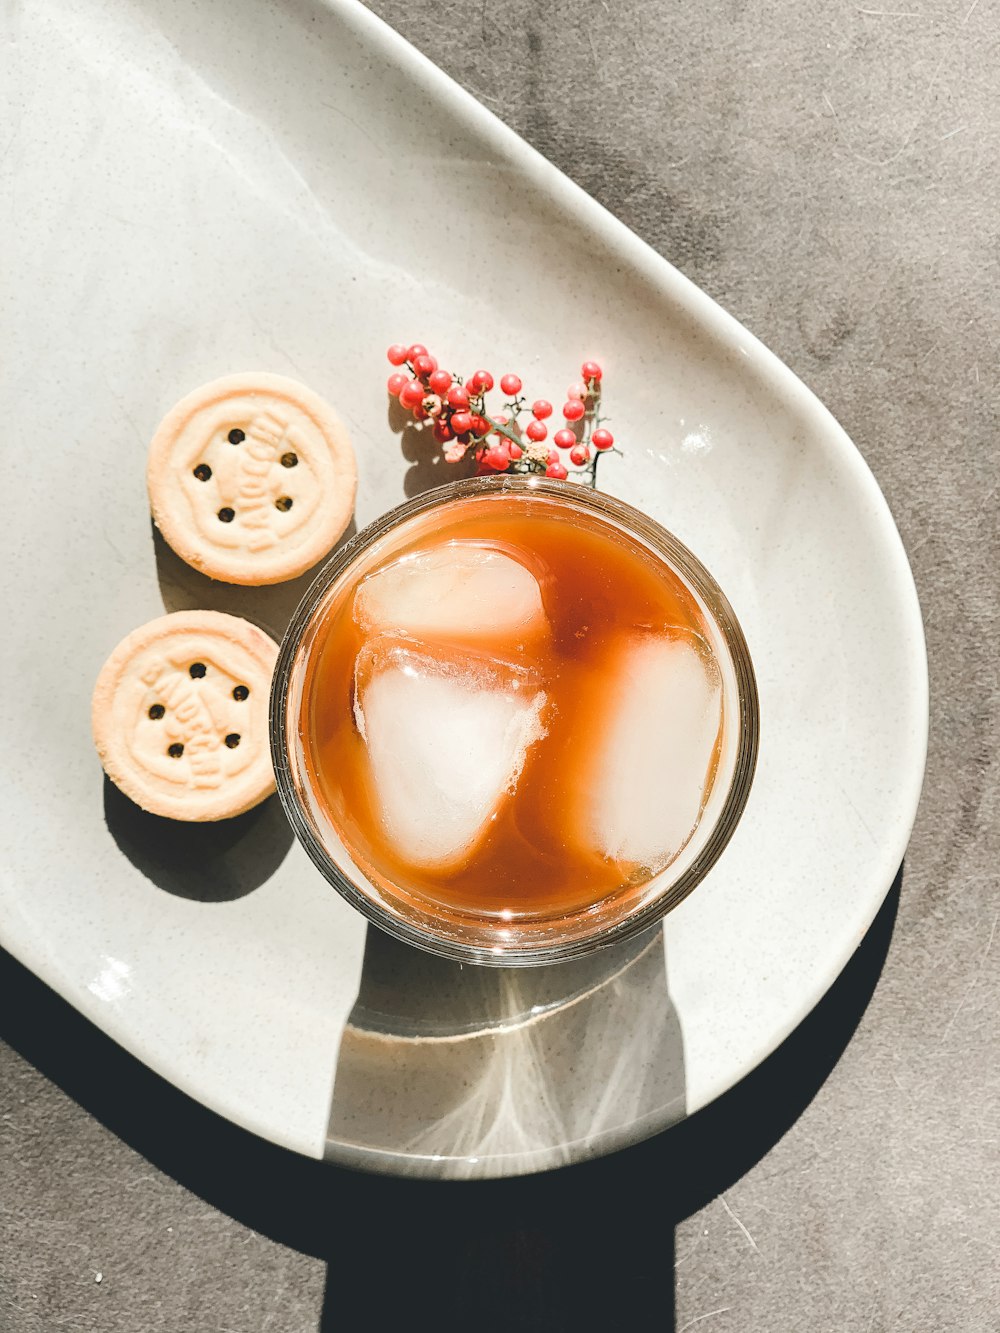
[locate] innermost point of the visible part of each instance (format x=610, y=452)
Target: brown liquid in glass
x=599, y=587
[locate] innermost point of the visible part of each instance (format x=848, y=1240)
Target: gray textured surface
x=827, y=172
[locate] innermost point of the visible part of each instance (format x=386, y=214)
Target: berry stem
x=591, y=421
x=505, y=431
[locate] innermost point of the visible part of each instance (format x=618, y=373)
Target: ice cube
x=446, y=744
x=651, y=764
x=456, y=589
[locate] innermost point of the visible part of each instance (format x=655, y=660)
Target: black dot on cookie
x=283, y=502
x=289, y=460
x=196, y=670
x=236, y=436
x=156, y=711
x=240, y=693
x=233, y=739
x=226, y=515
x=176, y=750
x=203, y=472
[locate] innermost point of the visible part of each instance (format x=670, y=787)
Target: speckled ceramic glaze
x=207, y=190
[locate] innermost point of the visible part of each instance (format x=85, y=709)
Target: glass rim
x=662, y=542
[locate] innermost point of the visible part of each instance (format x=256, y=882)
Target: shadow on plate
x=586, y=1247
x=425, y=455
x=271, y=607
x=211, y=863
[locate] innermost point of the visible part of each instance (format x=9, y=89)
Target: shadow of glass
x=211, y=863
x=454, y=1066
x=271, y=606
x=587, y=1247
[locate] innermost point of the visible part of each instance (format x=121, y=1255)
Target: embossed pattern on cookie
x=251, y=478
x=180, y=715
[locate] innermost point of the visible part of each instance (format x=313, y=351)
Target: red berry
x=602, y=439
x=573, y=410
x=557, y=471
x=395, y=383
x=425, y=366
x=579, y=454
x=536, y=431
x=576, y=391
x=590, y=370
x=412, y=394
x=515, y=450
x=461, y=422
x=480, y=426
x=396, y=354
x=457, y=396
x=440, y=381
x=553, y=456
x=564, y=438
x=541, y=409
x=510, y=384
x=497, y=456
x=443, y=432
x=417, y=349
x=421, y=413
x=481, y=382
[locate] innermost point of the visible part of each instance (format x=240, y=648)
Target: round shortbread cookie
x=251, y=478
x=180, y=715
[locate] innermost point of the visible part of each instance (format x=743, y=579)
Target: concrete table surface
x=826, y=171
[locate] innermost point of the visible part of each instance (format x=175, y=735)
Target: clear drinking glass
x=542, y=938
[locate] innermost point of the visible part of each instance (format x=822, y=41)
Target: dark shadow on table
x=586, y=1247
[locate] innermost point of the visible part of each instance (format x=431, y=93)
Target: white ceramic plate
x=194, y=190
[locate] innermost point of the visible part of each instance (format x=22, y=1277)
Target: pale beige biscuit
x=251, y=478
x=180, y=715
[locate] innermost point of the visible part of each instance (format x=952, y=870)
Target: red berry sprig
x=456, y=412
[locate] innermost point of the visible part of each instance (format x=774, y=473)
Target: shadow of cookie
x=270, y=606
x=209, y=863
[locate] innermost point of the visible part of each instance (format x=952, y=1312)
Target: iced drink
x=510, y=718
